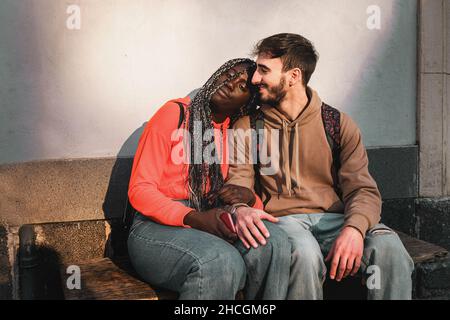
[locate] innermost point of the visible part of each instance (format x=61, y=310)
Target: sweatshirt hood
x=275, y=119
x=223, y=125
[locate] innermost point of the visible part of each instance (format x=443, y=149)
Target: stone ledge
x=425, y=218
x=400, y=214
x=91, y=189
x=433, y=279
x=433, y=220
x=64, y=190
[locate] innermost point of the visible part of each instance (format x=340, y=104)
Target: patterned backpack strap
x=331, y=118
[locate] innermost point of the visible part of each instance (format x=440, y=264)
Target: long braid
x=200, y=112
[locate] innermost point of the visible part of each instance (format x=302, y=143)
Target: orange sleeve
x=152, y=154
x=258, y=203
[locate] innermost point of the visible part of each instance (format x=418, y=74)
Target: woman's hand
x=232, y=194
x=209, y=221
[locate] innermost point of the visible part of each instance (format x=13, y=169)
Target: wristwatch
x=232, y=209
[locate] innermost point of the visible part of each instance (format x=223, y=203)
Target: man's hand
x=249, y=226
x=231, y=194
x=346, y=253
x=209, y=221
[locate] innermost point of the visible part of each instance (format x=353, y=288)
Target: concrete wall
x=434, y=98
x=85, y=93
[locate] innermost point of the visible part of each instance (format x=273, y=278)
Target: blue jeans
x=199, y=265
x=385, y=262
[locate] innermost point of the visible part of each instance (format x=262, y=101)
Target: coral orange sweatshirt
x=156, y=179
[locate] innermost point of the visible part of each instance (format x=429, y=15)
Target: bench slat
x=103, y=279
x=421, y=251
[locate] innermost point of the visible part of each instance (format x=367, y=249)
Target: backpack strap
x=331, y=119
x=181, y=119
x=257, y=126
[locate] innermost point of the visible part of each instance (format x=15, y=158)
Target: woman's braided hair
x=200, y=112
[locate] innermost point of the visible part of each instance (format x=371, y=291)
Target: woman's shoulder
x=168, y=115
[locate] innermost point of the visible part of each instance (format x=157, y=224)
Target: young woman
x=177, y=240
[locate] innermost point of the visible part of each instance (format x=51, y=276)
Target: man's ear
x=295, y=77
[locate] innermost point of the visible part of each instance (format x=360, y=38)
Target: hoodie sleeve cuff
x=182, y=215
x=359, y=222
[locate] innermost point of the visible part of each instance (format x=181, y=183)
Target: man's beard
x=275, y=95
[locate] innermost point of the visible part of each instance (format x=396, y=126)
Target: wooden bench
x=104, y=279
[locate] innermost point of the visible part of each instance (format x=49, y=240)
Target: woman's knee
x=226, y=266
x=169, y=264
x=278, y=238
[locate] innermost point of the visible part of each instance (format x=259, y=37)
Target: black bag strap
x=181, y=119
x=257, y=124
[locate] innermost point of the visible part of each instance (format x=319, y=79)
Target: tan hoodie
x=304, y=184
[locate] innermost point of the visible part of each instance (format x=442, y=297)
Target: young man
x=328, y=217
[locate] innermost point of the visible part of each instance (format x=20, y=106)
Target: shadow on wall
x=116, y=207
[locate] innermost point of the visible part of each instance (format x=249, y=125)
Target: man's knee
x=387, y=251
x=307, y=258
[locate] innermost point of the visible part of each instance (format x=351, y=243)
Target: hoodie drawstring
x=297, y=155
x=287, y=158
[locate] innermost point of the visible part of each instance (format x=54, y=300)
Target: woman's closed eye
x=243, y=86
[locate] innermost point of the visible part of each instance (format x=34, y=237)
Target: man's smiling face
x=270, y=79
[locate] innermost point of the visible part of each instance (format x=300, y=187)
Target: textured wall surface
x=84, y=92
x=434, y=98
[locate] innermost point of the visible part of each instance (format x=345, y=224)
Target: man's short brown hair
x=294, y=50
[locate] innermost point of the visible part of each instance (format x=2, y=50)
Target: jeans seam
x=200, y=284
x=135, y=225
